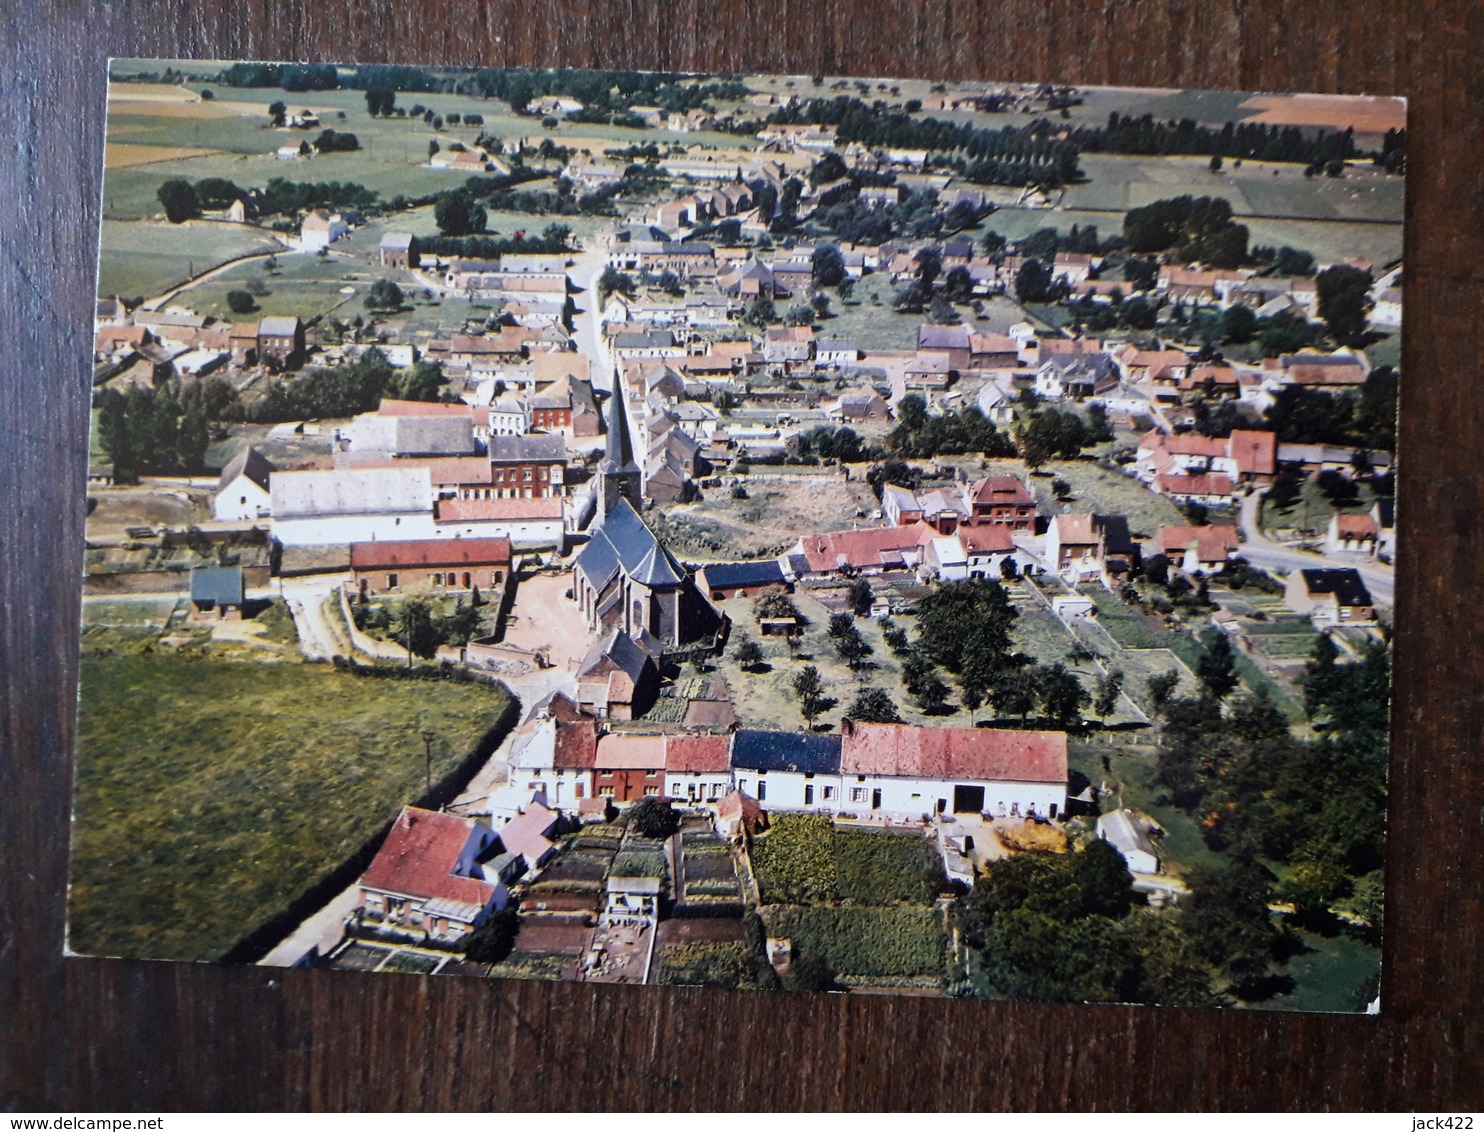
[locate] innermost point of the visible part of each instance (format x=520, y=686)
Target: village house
x=320, y=229
x=242, y=490
x=1131, y=838
x=527, y=467
x=1352, y=534
x=454, y=565
x=868, y=551
x=398, y=250
x=698, y=768
x=281, y=341
x=628, y=767
x=1210, y=489
x=618, y=679
x=864, y=405
x=789, y=348
x=217, y=593
x=1074, y=548
x=1078, y=376
x=426, y=877
x=554, y=760
x=1002, y=500
x=788, y=770
x=529, y=524
x=1329, y=597
x=392, y=434
x=722, y=580
x=567, y=407
x=1197, y=550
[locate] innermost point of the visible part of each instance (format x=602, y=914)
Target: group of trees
x=1367, y=418
x=1192, y=228
x=293, y=77
x=553, y=240
x=1052, y=434
x=159, y=430
x=183, y=199
x=918, y=436
x=1068, y=927
x=1253, y=141
x=345, y=390
x=1010, y=155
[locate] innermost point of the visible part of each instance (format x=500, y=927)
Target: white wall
x=240, y=499
x=784, y=790
x=704, y=786
x=523, y=533
x=336, y=530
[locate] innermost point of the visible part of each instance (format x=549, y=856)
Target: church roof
x=619, y=457
x=622, y=542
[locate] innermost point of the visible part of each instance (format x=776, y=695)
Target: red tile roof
x=1254, y=452
x=862, y=548
x=430, y=552
x=1213, y=544
x=471, y=510
x=394, y=408
x=1215, y=484
x=975, y=753
x=1075, y=530
x=418, y=857
x=986, y=538
x=1353, y=525
x=697, y=754
x=630, y=752
x=576, y=745
x=526, y=834
x=1002, y=490
x=459, y=470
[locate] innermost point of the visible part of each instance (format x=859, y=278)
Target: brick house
x=457, y=564
x=427, y=876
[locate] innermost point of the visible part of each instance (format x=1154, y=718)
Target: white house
x=529, y=524
x=321, y=229
x=906, y=771
x=537, y=768
x=786, y=770
x=242, y=491
x=347, y=505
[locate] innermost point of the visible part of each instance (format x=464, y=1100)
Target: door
x=875, y=799
x=968, y=799
x=809, y=795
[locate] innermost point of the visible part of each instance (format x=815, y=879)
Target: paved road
x=1276, y=558
x=588, y=330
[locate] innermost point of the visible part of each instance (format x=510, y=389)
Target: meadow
x=211, y=794
x=146, y=259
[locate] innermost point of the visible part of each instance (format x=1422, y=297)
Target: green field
x=210, y=794
x=902, y=942
x=1096, y=490
x=145, y=259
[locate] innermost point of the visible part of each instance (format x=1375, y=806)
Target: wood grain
x=89, y=1034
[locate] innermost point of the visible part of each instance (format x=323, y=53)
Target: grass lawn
x=1097, y=490
x=769, y=520
x=211, y=794
x=1331, y=977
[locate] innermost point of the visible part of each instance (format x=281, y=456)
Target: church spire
x=618, y=474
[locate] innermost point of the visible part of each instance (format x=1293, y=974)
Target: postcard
x=784, y=533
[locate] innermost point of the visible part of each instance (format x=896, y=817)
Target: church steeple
x=618, y=474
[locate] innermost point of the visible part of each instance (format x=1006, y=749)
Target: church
x=624, y=578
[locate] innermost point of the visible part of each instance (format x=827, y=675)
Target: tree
x=433, y=148
x=1344, y=299
x=1061, y=695
x=1110, y=687
x=423, y=381
x=1033, y=282
x=859, y=597
x=932, y=693
x=809, y=689
x=179, y=199
x=415, y=630
x=240, y=302
x=1102, y=876
x=749, y=654
x=457, y=214
x=277, y=112
x=492, y=941
x=1161, y=687
x=612, y=280
x=873, y=705
x=828, y=265
x=1014, y=693
x=1238, y=324
x=654, y=818
x=1217, y=667
x=1214, y=165
x=384, y=295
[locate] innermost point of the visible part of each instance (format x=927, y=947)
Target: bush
x=240, y=301
x=654, y=818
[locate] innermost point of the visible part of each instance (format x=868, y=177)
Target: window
x=391, y=581
x=829, y=793
x=857, y=794
x=581, y=791
x=651, y=773
x=605, y=791
x=762, y=791
x=651, y=791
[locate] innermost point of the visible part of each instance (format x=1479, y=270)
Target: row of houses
x=900, y=771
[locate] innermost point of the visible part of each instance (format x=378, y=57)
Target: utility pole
x=428, y=737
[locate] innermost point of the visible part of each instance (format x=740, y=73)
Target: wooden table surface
x=107, y=1035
